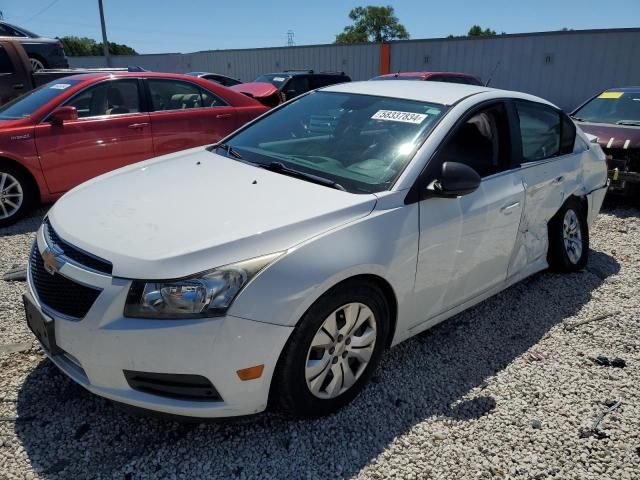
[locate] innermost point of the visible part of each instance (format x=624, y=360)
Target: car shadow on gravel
x=441, y=374
x=26, y=225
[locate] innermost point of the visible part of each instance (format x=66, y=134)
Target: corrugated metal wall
x=564, y=67
x=360, y=61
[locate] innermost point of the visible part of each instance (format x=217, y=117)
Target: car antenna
x=491, y=75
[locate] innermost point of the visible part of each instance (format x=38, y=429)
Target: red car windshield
x=24, y=106
x=622, y=108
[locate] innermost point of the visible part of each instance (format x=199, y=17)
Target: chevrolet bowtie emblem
x=51, y=263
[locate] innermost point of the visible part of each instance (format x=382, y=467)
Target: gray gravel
x=503, y=390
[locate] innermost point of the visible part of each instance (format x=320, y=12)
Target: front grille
x=173, y=385
x=58, y=292
x=74, y=253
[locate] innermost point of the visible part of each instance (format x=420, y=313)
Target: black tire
x=28, y=191
x=560, y=257
x=290, y=392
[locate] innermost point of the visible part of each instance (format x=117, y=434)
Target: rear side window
x=5, y=62
x=179, y=95
x=540, y=130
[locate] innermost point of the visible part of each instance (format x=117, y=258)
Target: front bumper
x=99, y=348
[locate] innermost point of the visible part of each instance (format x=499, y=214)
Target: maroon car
x=450, y=77
x=613, y=116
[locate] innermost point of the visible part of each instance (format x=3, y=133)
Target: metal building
x=565, y=67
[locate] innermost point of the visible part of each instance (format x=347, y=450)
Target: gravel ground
x=503, y=390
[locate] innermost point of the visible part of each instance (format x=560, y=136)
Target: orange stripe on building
x=385, y=58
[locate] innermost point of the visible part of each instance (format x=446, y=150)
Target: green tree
x=477, y=31
x=86, y=47
x=372, y=24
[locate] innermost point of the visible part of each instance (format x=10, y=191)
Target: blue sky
x=190, y=25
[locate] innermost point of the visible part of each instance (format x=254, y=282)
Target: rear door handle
x=558, y=180
x=223, y=115
x=507, y=209
x=138, y=125
x=18, y=86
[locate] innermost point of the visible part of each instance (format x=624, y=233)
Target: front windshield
x=612, y=107
x=28, y=103
x=361, y=142
x=277, y=80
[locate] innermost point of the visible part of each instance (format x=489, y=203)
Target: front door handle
x=18, y=86
x=507, y=209
x=557, y=180
x=138, y=125
x=223, y=115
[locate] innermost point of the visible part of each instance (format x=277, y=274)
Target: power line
x=41, y=11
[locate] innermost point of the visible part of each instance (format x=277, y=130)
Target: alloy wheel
x=572, y=236
x=36, y=64
x=11, y=195
x=340, y=350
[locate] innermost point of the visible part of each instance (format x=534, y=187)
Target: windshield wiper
x=629, y=122
x=578, y=119
x=280, y=167
x=229, y=149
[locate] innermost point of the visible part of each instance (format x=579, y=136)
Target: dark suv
x=42, y=52
x=292, y=83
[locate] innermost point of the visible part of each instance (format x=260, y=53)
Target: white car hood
x=184, y=213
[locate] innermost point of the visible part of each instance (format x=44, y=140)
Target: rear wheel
x=16, y=195
x=36, y=64
x=569, y=238
x=333, y=351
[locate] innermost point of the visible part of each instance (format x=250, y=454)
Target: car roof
x=425, y=74
x=624, y=89
x=435, y=92
x=293, y=73
x=115, y=74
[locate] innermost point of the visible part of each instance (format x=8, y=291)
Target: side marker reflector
x=250, y=373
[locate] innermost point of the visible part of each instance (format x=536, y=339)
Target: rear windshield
x=611, y=107
x=28, y=103
x=277, y=80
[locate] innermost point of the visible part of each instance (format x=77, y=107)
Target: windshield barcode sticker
x=278, y=79
x=60, y=86
x=395, y=116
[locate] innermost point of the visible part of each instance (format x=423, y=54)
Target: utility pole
x=105, y=43
x=290, y=41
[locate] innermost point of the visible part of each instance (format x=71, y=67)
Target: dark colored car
x=42, y=52
x=292, y=83
x=216, y=77
x=613, y=116
x=75, y=128
x=450, y=77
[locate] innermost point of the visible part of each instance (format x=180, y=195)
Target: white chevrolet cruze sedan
x=277, y=266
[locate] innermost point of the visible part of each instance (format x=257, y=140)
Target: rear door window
x=179, y=95
x=5, y=62
x=540, y=130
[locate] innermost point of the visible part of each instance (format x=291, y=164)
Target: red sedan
x=78, y=127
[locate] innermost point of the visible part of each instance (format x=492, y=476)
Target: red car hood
x=613, y=136
x=256, y=90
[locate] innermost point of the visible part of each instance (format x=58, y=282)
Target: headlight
x=207, y=294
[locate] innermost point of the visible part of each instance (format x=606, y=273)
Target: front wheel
x=16, y=195
x=569, y=238
x=333, y=351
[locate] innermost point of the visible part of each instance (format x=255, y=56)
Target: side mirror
x=456, y=179
x=63, y=114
